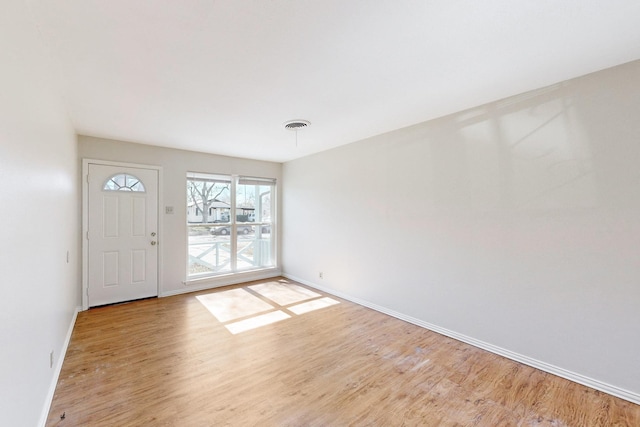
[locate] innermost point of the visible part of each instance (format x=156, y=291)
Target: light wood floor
x=170, y=362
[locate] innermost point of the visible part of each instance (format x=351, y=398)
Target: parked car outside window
x=225, y=231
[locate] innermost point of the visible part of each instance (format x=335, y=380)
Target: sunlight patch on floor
x=233, y=304
x=317, y=304
x=241, y=309
x=257, y=321
x=284, y=294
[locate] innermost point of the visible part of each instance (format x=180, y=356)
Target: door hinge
x=87, y=235
x=87, y=178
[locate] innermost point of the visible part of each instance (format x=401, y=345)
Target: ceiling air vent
x=296, y=124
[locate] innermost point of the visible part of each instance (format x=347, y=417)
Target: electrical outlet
x=51, y=359
x=320, y=275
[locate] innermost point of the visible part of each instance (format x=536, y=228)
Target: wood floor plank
x=170, y=362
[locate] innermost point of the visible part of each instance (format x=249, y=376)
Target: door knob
x=153, y=243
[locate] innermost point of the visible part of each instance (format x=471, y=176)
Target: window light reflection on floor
x=317, y=304
x=260, y=305
x=233, y=304
x=257, y=321
x=284, y=294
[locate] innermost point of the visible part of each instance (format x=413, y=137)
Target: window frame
x=233, y=225
x=137, y=187
x=236, y=181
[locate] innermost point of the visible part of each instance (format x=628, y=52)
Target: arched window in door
x=123, y=182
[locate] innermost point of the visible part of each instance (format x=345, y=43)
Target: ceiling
x=223, y=76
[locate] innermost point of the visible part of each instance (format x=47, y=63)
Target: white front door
x=122, y=234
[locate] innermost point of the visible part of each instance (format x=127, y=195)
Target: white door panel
x=122, y=238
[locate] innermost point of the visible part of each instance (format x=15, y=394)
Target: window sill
x=232, y=278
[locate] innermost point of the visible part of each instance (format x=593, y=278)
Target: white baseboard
x=543, y=366
x=56, y=373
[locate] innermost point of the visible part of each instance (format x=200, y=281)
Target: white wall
x=40, y=290
x=516, y=223
x=175, y=165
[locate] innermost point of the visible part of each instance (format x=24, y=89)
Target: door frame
x=85, y=219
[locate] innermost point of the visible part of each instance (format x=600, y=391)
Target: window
x=253, y=215
x=230, y=224
x=123, y=182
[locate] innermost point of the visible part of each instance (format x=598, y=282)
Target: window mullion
x=273, y=234
x=234, y=228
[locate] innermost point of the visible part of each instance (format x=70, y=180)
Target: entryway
x=121, y=234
